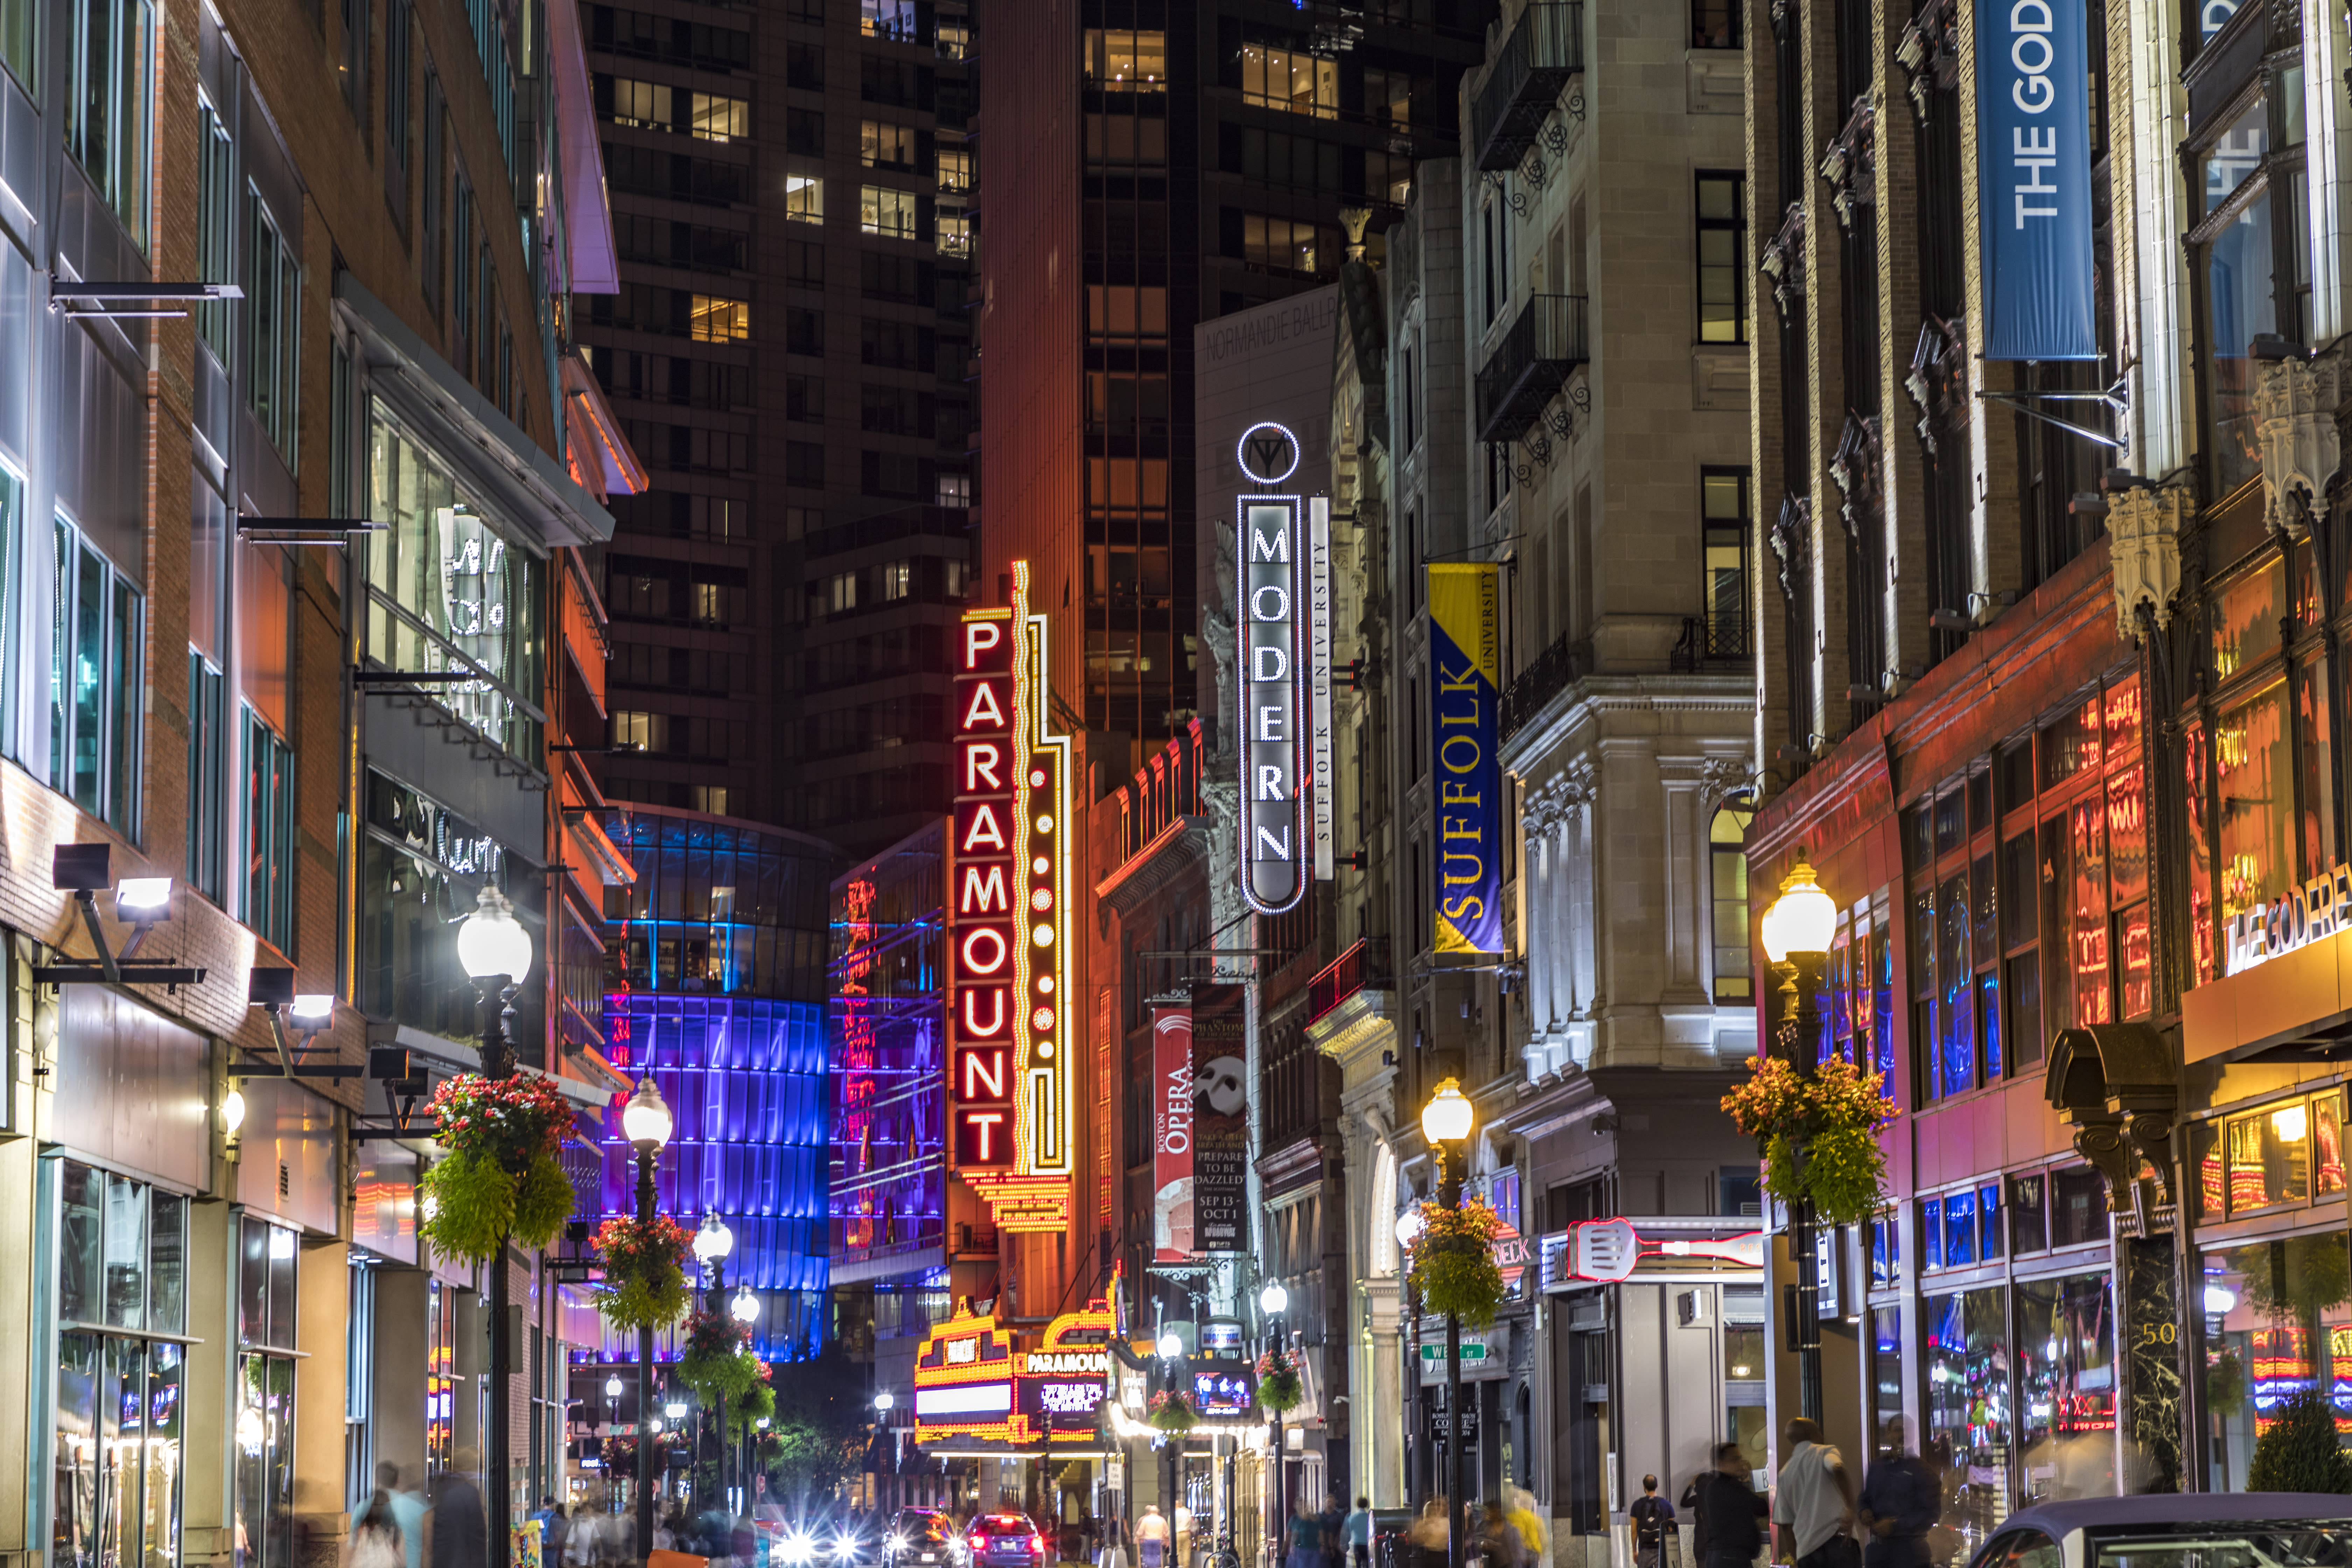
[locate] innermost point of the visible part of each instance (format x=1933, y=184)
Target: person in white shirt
x=1812, y=1503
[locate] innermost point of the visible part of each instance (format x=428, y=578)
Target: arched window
x=1726, y=858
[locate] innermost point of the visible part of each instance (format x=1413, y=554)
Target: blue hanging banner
x=2033, y=180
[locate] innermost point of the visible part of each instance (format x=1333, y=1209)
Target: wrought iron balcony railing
x=1546, y=48
x=1529, y=365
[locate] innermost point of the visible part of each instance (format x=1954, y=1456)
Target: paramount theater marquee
x=971, y=1386
x=1011, y=1100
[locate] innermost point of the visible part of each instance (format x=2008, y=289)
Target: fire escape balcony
x=1535, y=356
x=1546, y=48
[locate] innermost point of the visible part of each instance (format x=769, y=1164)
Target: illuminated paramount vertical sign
x=1271, y=707
x=1009, y=1091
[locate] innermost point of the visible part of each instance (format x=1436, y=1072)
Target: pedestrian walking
x=1902, y=1498
x=1653, y=1517
x=1356, y=1531
x=1306, y=1542
x=1814, y=1502
x=460, y=1529
x=1152, y=1538
x=376, y=1536
x=1728, y=1512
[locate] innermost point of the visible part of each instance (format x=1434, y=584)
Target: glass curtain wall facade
x=886, y=1021
x=715, y=986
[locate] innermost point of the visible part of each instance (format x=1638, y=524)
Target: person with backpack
x=1653, y=1517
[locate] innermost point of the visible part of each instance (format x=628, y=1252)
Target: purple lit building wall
x=716, y=983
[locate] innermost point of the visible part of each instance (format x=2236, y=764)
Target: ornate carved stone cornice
x=1784, y=260
x=2144, y=524
x=1851, y=166
x=2294, y=417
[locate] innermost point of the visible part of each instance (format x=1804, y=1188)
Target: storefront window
x=2278, y=1319
x=2078, y=1206
x=115, y=1495
x=2270, y=1158
x=2205, y=1159
x=264, y=1435
x=2254, y=772
x=1888, y=1435
x=449, y=589
x=1967, y=1433
x=2029, y=1228
x=2066, y=1385
x=2195, y=774
x=2246, y=616
x=1959, y=1229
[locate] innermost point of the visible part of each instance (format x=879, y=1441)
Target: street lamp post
x=612, y=1419
x=1172, y=1351
x=645, y=1122
x=745, y=1308
x=1271, y=1302
x=713, y=1242
x=495, y=951
x=1447, y=1119
x=1796, y=931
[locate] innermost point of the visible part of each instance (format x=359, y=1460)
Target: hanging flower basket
x=716, y=1361
x=1278, y=1388
x=645, y=1271
x=502, y=1176
x=757, y=1404
x=1173, y=1411
x=1817, y=1136
x=1453, y=1264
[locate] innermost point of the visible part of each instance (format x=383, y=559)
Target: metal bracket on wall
x=2115, y=399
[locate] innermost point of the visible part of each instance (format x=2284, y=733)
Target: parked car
x=1005, y=1540
x=921, y=1538
x=2276, y=1530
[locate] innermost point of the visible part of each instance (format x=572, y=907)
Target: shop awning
x=2296, y=1006
x=600, y=457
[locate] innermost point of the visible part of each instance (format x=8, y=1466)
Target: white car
x=2214, y=1530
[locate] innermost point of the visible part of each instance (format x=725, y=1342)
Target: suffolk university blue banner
x=1464, y=682
x=2033, y=175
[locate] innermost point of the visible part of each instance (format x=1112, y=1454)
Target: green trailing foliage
x=1173, y=1411
x=1454, y=1267
x=2300, y=1453
x=1278, y=1388
x=758, y=1402
x=716, y=1360
x=1817, y=1134
x=645, y=1271
x=503, y=1175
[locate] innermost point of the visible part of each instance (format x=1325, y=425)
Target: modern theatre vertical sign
x=1272, y=705
x=1009, y=1092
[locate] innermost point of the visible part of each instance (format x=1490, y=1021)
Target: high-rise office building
x=1178, y=163
x=789, y=351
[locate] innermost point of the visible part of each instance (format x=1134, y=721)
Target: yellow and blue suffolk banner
x=1465, y=688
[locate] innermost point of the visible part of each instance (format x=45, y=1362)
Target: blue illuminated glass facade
x=886, y=1024
x=716, y=984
